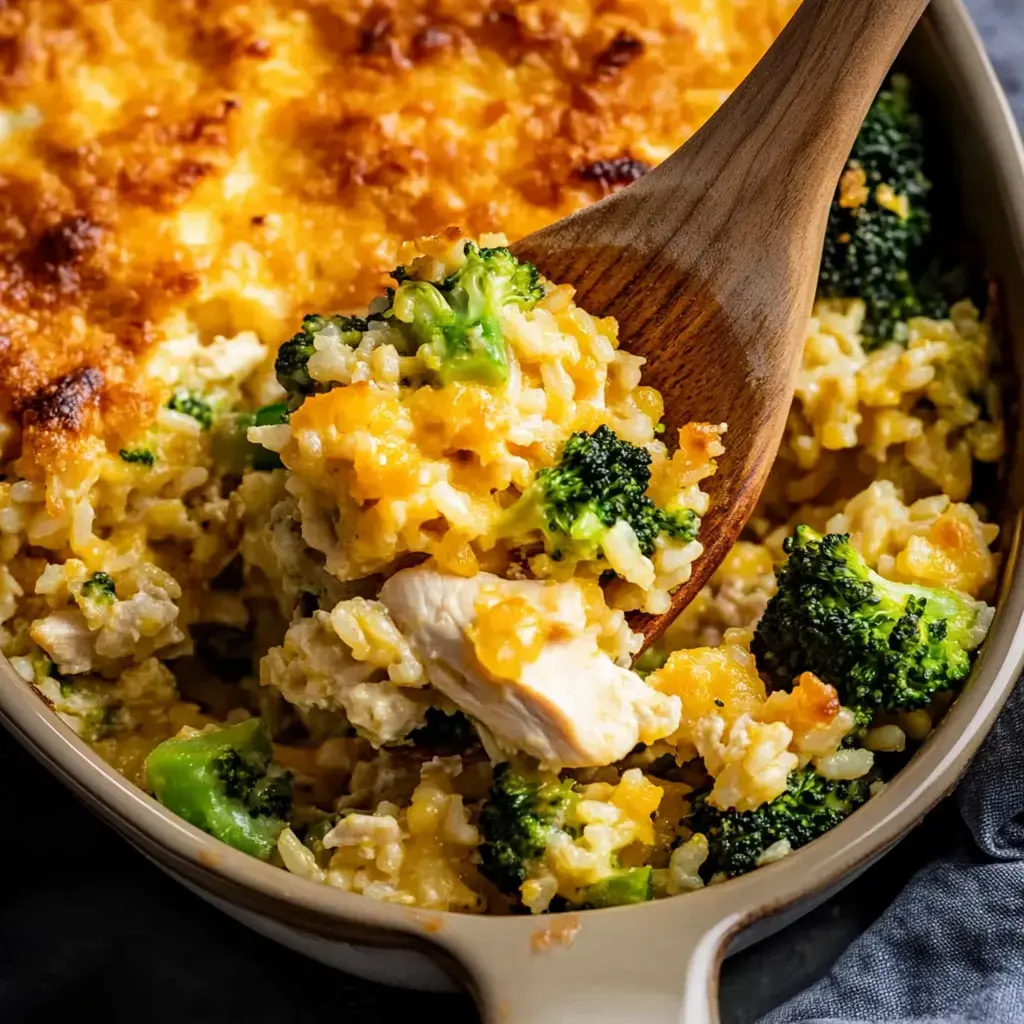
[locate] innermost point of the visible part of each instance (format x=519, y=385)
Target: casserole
x=628, y=962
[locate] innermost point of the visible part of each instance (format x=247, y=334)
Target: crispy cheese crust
x=238, y=164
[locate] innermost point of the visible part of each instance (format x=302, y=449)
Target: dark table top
x=86, y=924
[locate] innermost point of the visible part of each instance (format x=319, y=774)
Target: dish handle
x=601, y=967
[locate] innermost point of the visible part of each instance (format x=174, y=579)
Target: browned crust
x=335, y=116
x=63, y=404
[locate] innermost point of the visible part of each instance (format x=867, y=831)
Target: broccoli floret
x=247, y=780
x=881, y=644
x=313, y=839
x=292, y=363
x=455, y=326
x=270, y=415
x=810, y=806
x=233, y=450
x=632, y=885
x=518, y=819
x=90, y=707
x=523, y=813
x=599, y=481
x=193, y=405
x=139, y=456
x=99, y=587
x=267, y=416
x=874, y=249
x=225, y=783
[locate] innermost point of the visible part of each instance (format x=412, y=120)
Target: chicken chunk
x=67, y=639
x=567, y=703
x=317, y=667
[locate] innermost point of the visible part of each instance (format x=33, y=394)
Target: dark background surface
x=87, y=926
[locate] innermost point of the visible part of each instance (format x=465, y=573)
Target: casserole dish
x=646, y=961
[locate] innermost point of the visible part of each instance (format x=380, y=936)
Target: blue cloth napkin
x=950, y=950
x=1002, y=28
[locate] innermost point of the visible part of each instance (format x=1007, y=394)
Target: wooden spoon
x=710, y=262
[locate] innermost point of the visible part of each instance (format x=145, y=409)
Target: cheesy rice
x=185, y=546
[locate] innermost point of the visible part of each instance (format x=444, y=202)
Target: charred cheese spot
x=376, y=36
x=60, y=249
x=63, y=404
x=610, y=175
x=619, y=54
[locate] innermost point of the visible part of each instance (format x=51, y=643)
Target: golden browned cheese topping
x=222, y=166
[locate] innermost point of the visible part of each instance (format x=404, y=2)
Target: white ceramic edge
x=399, y=968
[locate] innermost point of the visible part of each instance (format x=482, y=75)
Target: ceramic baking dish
x=655, y=962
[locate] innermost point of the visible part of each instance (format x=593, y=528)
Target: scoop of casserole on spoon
x=709, y=263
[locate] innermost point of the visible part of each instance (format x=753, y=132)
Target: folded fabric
x=950, y=950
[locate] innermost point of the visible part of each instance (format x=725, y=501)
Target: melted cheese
x=240, y=164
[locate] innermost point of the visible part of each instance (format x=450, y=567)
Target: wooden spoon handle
x=792, y=121
x=797, y=113
x=710, y=261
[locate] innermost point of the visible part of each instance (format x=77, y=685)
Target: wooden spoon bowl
x=710, y=262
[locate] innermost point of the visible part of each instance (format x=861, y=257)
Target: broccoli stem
x=632, y=885
x=224, y=782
